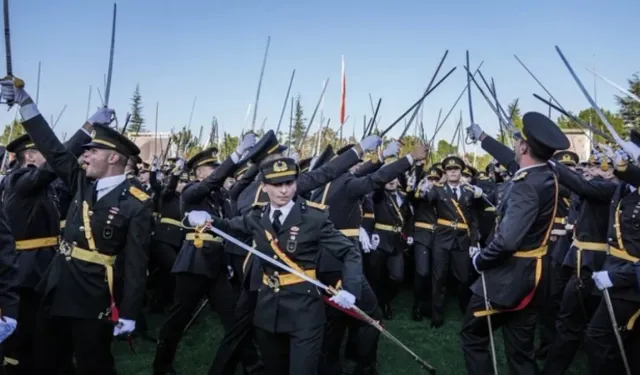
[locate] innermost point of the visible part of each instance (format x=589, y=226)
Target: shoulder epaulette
x=139, y=194
x=485, y=178
x=519, y=177
x=319, y=206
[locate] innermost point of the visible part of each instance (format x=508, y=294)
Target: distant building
x=579, y=142
x=150, y=145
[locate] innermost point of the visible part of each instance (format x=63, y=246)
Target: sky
x=213, y=50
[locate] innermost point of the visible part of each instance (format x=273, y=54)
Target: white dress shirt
x=284, y=209
x=105, y=185
x=457, y=187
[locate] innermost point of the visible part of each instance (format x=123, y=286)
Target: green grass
x=440, y=347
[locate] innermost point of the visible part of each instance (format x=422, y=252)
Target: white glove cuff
x=409, y=158
x=235, y=157
x=29, y=111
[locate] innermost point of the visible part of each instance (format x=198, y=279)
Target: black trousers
x=190, y=289
x=576, y=309
x=386, y=274
x=60, y=339
x=291, y=353
x=19, y=346
x=518, y=329
x=444, y=261
x=161, y=281
x=362, y=346
x=422, y=277
x=602, y=348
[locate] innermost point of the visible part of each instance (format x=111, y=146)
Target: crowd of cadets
x=99, y=233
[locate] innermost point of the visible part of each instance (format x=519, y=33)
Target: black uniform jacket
x=519, y=245
x=169, y=228
x=285, y=302
x=591, y=228
x=424, y=216
x=391, y=217
x=203, y=254
x=344, y=196
x=457, y=223
x=31, y=203
x=624, y=241
x=9, y=297
x=119, y=223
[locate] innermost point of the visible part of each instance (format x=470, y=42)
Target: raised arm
x=599, y=189
x=197, y=192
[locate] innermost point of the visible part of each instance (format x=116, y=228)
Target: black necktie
x=276, y=220
x=94, y=195
x=455, y=192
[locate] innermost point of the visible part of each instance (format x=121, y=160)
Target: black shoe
x=417, y=311
x=386, y=312
x=437, y=323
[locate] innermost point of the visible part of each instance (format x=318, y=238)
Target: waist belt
x=167, y=220
x=490, y=209
x=368, y=216
x=560, y=220
x=590, y=246
x=388, y=228
x=276, y=280
x=75, y=252
x=63, y=223
x=350, y=232
x=36, y=243
x=452, y=224
x=621, y=254
x=423, y=225
x=199, y=238
x=534, y=253
x=558, y=232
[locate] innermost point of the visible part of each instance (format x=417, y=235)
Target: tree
x=589, y=116
x=513, y=110
x=629, y=107
x=227, y=145
x=18, y=130
x=297, y=132
x=136, y=122
x=443, y=150
x=186, y=143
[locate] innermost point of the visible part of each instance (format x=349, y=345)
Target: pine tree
x=136, y=123
x=298, y=124
x=629, y=107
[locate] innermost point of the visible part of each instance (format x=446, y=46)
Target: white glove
x=344, y=299
x=620, y=159
x=177, y=170
x=409, y=240
x=370, y=143
x=375, y=241
x=12, y=94
x=154, y=162
x=474, y=131
x=607, y=151
x=631, y=149
x=124, y=327
x=473, y=261
x=477, y=192
x=7, y=326
x=198, y=218
x=473, y=251
x=393, y=148
x=247, y=143
x=426, y=185
x=602, y=279
x=103, y=116
x=364, y=241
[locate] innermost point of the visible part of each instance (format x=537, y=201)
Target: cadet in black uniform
x=344, y=197
x=30, y=201
x=108, y=218
x=618, y=276
x=586, y=256
x=291, y=319
x=423, y=236
x=200, y=268
x=456, y=231
x=514, y=264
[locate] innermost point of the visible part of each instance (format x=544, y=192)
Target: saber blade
x=7, y=38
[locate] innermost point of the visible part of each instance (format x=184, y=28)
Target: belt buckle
x=273, y=281
x=65, y=249
x=454, y=224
